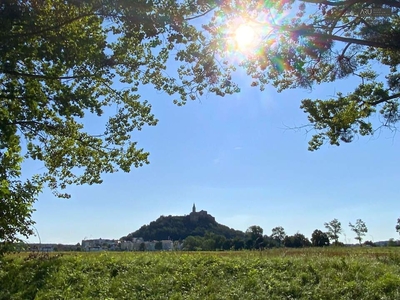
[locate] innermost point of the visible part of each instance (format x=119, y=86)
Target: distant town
x=138, y=244
x=199, y=231
x=95, y=245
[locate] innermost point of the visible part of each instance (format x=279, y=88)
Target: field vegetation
x=313, y=273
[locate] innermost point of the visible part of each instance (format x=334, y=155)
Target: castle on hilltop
x=194, y=215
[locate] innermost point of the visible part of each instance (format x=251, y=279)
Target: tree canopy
x=360, y=229
x=319, y=238
x=59, y=61
x=297, y=240
x=278, y=234
x=323, y=42
x=334, y=228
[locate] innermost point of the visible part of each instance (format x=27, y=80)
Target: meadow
x=327, y=273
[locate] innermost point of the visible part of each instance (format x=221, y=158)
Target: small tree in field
x=334, y=228
x=360, y=229
x=398, y=225
x=278, y=234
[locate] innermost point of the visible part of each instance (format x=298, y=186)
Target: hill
x=180, y=227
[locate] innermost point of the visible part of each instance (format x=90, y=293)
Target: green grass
x=335, y=273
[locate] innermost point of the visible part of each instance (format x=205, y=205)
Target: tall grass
x=277, y=274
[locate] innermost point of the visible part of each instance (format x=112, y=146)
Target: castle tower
x=194, y=216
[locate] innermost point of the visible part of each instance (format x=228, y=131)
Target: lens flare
x=245, y=36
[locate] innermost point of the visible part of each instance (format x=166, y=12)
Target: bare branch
x=201, y=15
x=345, y=49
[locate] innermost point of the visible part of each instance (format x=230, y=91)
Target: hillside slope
x=180, y=227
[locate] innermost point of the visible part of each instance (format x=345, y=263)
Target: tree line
x=255, y=239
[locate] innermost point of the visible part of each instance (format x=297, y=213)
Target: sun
x=245, y=36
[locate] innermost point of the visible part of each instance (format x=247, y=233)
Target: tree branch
x=323, y=36
x=39, y=76
x=24, y=123
x=351, y=2
x=384, y=99
x=306, y=30
x=43, y=30
x=201, y=15
x=344, y=10
x=345, y=49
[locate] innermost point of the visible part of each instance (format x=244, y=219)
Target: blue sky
x=234, y=157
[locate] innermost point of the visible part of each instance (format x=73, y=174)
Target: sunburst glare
x=245, y=36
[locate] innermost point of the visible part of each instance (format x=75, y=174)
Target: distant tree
x=304, y=241
x=142, y=247
x=269, y=242
x=228, y=244
x=238, y=244
x=334, y=228
x=254, y=232
x=219, y=241
x=398, y=226
x=296, y=241
x=210, y=241
x=360, y=229
x=391, y=243
x=278, y=234
x=369, y=243
x=208, y=245
x=158, y=245
x=192, y=243
x=254, y=237
x=319, y=238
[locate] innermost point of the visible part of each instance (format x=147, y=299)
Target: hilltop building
x=194, y=215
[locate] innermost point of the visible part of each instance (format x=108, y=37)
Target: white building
x=167, y=245
x=99, y=244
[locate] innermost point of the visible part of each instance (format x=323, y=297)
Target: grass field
x=329, y=273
